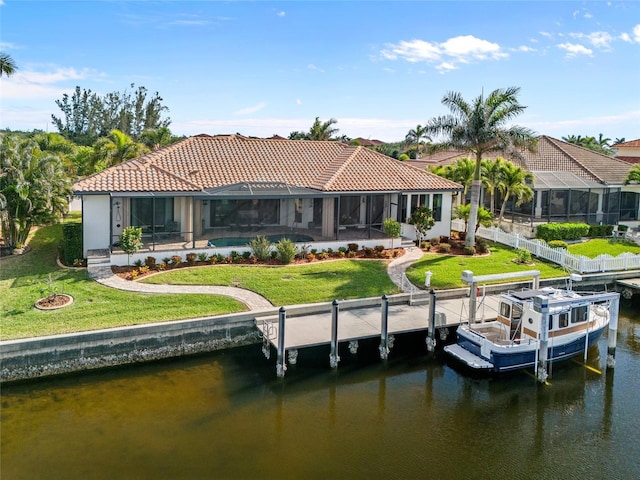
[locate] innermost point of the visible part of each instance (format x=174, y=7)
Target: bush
x=425, y=246
x=444, y=248
x=202, y=257
x=368, y=251
x=444, y=239
x=352, y=247
x=261, y=247
x=523, y=256
x=246, y=255
x=392, y=227
x=71, y=243
x=191, y=259
x=138, y=263
x=481, y=245
x=175, y=260
x=562, y=231
x=286, y=251
x=150, y=262
x=558, y=244
x=623, y=228
x=435, y=241
x=600, y=230
x=470, y=250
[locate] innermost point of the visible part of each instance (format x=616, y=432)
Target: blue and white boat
x=534, y=327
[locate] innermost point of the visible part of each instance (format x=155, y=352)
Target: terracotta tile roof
x=556, y=156
x=204, y=162
x=630, y=143
x=629, y=159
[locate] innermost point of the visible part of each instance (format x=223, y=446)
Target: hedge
x=562, y=231
x=71, y=243
x=600, y=230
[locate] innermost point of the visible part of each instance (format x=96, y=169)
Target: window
x=152, y=214
x=629, y=206
x=437, y=207
x=419, y=201
x=505, y=310
x=350, y=210
x=579, y=314
x=563, y=320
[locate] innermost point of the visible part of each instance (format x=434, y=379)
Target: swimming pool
x=243, y=241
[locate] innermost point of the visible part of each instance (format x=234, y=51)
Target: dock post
x=281, y=367
x=542, y=302
x=431, y=337
x=613, y=332
x=333, y=355
x=384, y=337
x=473, y=293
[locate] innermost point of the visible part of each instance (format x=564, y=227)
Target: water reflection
x=227, y=416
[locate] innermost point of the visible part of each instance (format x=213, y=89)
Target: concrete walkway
x=103, y=275
x=397, y=267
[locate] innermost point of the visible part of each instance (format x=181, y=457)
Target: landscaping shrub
x=444, y=248
x=444, y=239
x=286, y=251
x=562, y=231
x=138, y=263
x=261, y=247
x=482, y=246
x=150, y=262
x=175, y=260
x=191, y=259
x=470, y=250
x=558, y=244
x=523, y=256
x=352, y=247
x=203, y=256
x=425, y=246
x=623, y=228
x=600, y=230
x=71, y=243
x=368, y=251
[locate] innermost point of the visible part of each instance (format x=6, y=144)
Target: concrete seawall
x=32, y=358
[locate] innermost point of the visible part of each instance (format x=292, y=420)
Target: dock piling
x=281, y=366
x=333, y=355
x=384, y=337
x=431, y=331
x=613, y=332
x=542, y=305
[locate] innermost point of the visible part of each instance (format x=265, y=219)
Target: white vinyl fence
x=575, y=263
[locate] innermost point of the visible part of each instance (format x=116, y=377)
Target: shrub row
x=562, y=231
x=70, y=250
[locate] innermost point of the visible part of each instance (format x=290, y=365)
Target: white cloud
x=34, y=84
x=636, y=33
x=253, y=109
x=281, y=13
x=597, y=39
x=574, y=49
x=298, y=101
x=526, y=49
x=625, y=37
x=446, y=55
x=311, y=66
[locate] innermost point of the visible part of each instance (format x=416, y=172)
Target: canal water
x=226, y=415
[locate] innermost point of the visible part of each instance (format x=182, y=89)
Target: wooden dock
x=360, y=323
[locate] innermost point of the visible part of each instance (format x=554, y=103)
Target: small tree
x=422, y=220
x=484, y=218
x=131, y=241
x=392, y=228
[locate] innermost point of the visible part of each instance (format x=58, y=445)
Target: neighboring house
x=571, y=183
x=220, y=191
x=367, y=142
x=628, y=151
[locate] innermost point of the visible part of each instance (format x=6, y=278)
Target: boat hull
x=506, y=359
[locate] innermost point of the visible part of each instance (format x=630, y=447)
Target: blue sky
x=379, y=68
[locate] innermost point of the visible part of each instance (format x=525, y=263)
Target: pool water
x=242, y=241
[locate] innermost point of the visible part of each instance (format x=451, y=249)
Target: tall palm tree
x=7, y=65
x=491, y=171
x=634, y=175
x=461, y=171
x=480, y=127
x=322, y=130
x=415, y=136
x=514, y=184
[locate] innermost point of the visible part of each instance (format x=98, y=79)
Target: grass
x=25, y=278
x=447, y=270
x=294, y=284
x=598, y=246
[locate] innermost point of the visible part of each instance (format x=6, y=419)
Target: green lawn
x=447, y=270
x=598, y=246
x=294, y=284
x=24, y=278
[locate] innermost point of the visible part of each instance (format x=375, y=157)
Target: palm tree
x=155, y=138
x=491, y=177
x=322, y=130
x=514, y=184
x=34, y=188
x=480, y=127
x=461, y=171
x=619, y=140
x=56, y=144
x=115, y=149
x=7, y=65
x=634, y=175
x=415, y=136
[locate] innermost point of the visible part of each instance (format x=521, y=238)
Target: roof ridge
x=335, y=167
x=167, y=172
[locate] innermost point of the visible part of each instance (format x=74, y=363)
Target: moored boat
x=532, y=328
